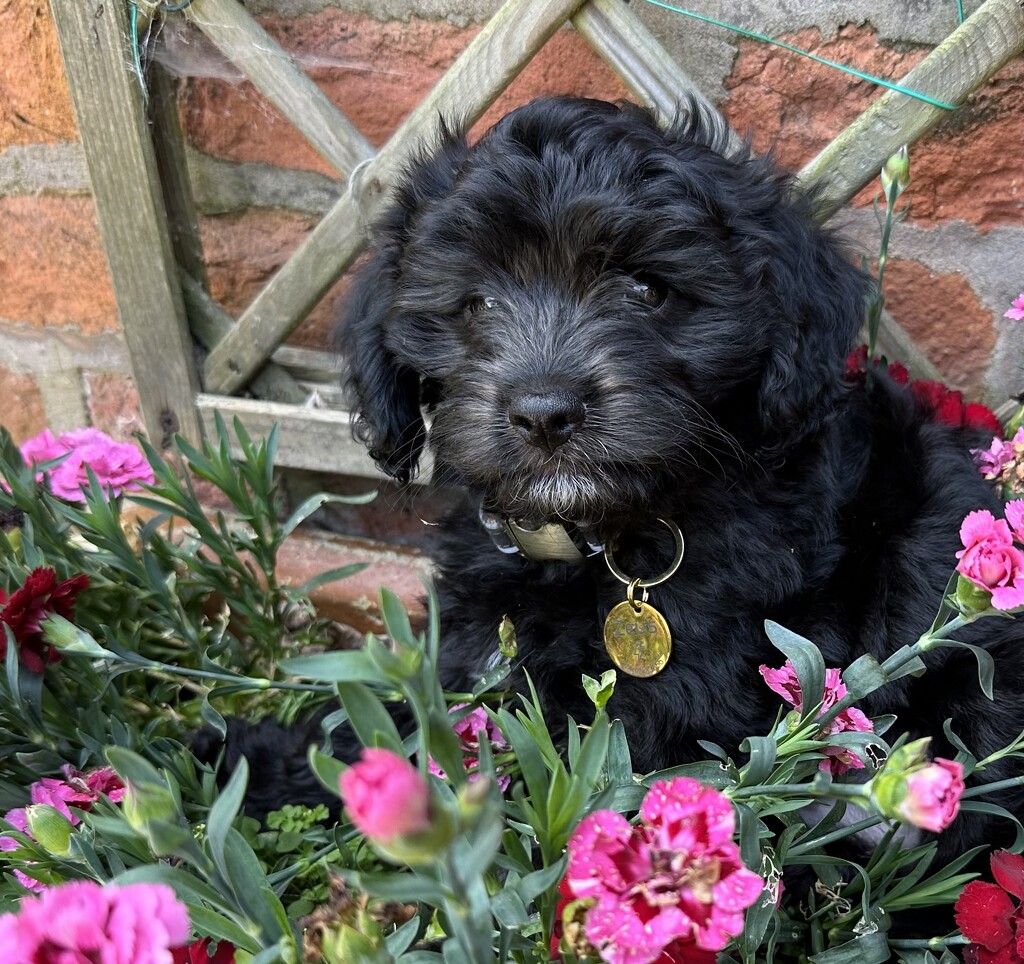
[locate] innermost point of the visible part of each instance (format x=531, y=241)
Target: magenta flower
x=117, y=465
x=83, y=922
x=676, y=879
x=1014, y=512
x=933, y=795
x=470, y=730
x=386, y=797
x=77, y=791
x=838, y=759
x=1016, y=311
x=990, y=560
x=997, y=458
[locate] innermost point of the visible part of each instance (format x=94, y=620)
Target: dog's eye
x=479, y=304
x=649, y=291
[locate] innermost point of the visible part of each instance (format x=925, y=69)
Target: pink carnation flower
x=1016, y=311
x=994, y=460
x=838, y=759
x=470, y=730
x=117, y=465
x=933, y=795
x=991, y=560
x=674, y=880
x=83, y=922
x=385, y=795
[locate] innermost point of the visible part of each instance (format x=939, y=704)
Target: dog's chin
x=578, y=499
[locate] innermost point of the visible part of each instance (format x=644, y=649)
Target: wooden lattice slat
x=273, y=73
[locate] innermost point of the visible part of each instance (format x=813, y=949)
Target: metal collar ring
x=677, y=534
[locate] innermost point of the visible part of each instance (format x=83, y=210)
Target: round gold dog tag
x=637, y=638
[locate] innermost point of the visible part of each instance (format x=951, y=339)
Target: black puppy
x=612, y=324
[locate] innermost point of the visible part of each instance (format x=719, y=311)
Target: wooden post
x=110, y=110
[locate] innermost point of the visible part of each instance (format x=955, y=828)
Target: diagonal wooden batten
x=969, y=56
x=634, y=53
x=236, y=33
x=484, y=69
x=130, y=209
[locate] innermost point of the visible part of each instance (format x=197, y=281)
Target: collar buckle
x=552, y=541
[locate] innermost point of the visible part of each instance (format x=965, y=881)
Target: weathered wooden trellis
x=140, y=184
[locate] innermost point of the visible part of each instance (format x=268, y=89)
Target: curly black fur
x=686, y=298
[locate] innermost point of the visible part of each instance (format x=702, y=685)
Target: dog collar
x=545, y=543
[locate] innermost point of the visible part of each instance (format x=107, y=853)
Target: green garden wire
x=805, y=53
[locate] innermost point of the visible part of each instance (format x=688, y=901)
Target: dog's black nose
x=546, y=419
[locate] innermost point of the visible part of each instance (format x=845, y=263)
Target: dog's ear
x=383, y=389
x=820, y=297
x=384, y=393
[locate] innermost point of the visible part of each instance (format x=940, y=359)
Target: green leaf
x=352, y=666
x=762, y=750
x=368, y=717
x=331, y=575
x=401, y=887
x=224, y=810
x=538, y=882
x=315, y=502
x=619, y=762
x=806, y=660
x=326, y=769
x=864, y=676
x=490, y=680
x=396, y=619
x=869, y=949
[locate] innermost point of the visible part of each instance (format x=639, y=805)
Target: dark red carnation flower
x=948, y=407
x=989, y=918
x=28, y=606
x=857, y=367
x=198, y=952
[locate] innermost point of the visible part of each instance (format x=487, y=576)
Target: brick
x=968, y=167
x=113, y=403
x=355, y=601
x=243, y=251
x=944, y=316
x=377, y=73
x=53, y=271
x=24, y=413
x=36, y=105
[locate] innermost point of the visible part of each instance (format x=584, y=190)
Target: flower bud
x=912, y=790
x=897, y=168
x=151, y=811
x=388, y=800
x=50, y=828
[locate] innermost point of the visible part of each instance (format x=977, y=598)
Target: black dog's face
x=596, y=312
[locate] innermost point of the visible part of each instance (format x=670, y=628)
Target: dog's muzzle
x=548, y=542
